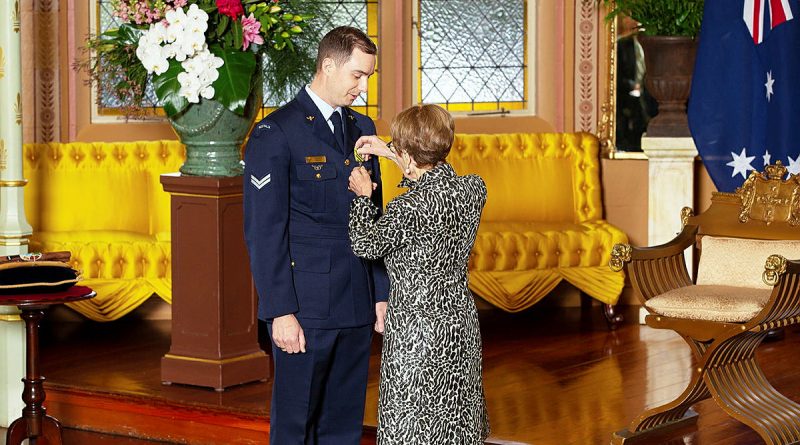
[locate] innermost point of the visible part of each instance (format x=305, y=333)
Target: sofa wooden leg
x=612, y=317
x=665, y=418
x=741, y=389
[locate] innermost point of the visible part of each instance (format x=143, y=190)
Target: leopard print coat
x=431, y=387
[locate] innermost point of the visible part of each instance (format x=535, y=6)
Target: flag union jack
x=762, y=14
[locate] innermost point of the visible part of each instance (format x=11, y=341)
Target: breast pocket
x=311, y=267
x=315, y=186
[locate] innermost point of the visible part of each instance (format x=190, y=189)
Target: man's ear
x=328, y=65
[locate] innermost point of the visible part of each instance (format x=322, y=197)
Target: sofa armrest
x=658, y=269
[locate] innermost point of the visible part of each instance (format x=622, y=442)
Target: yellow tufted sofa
x=543, y=217
x=542, y=222
x=105, y=204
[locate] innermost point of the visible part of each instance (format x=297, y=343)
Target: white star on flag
x=742, y=163
x=766, y=158
x=794, y=165
x=769, y=83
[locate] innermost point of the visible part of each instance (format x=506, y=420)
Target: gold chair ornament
x=767, y=197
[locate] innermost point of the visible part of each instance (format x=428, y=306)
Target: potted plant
x=667, y=31
x=205, y=61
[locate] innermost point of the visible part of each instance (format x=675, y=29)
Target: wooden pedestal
x=214, y=327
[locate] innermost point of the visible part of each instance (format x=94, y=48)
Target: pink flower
x=231, y=8
x=250, y=30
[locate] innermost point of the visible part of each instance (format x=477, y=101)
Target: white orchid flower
x=208, y=92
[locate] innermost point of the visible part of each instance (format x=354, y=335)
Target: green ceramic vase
x=213, y=136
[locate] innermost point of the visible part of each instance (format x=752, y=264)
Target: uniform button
x=346, y=162
x=318, y=176
x=292, y=263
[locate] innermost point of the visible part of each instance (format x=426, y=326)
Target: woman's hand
x=361, y=183
x=373, y=145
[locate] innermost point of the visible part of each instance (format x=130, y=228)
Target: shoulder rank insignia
x=260, y=183
x=310, y=118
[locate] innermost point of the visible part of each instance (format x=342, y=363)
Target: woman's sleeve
x=373, y=237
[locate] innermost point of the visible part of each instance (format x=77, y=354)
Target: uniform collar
x=432, y=176
x=324, y=108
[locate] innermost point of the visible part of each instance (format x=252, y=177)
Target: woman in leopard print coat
x=431, y=388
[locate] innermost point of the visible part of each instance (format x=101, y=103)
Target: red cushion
x=74, y=293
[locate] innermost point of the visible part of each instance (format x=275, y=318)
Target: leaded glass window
x=472, y=55
x=362, y=14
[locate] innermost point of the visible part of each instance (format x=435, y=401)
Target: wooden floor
x=552, y=376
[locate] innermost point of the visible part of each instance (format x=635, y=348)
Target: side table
x=35, y=424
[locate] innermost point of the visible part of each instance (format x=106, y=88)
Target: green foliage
x=235, y=78
x=112, y=63
x=285, y=72
x=661, y=17
x=167, y=88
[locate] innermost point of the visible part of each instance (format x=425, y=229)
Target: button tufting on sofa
x=111, y=213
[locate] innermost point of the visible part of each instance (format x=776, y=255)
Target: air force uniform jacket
x=296, y=207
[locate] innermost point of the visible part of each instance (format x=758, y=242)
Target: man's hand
x=380, y=315
x=288, y=335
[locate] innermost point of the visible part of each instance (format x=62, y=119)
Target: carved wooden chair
x=726, y=314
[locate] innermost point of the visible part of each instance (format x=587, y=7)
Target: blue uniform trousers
x=318, y=396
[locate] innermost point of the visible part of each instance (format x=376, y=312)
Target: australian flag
x=744, y=108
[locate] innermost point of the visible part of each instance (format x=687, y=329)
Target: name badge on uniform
x=316, y=159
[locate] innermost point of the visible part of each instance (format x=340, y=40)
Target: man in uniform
x=320, y=301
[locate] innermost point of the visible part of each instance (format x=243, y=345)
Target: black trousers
x=318, y=396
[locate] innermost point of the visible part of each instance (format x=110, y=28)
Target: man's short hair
x=425, y=132
x=339, y=44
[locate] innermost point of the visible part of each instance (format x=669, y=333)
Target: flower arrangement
x=194, y=49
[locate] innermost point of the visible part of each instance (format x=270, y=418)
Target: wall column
x=671, y=168
x=671, y=173
x=14, y=228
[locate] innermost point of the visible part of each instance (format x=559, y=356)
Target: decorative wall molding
x=39, y=103
x=587, y=27
x=18, y=110
x=46, y=23
x=15, y=17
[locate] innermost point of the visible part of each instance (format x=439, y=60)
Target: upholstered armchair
x=745, y=286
